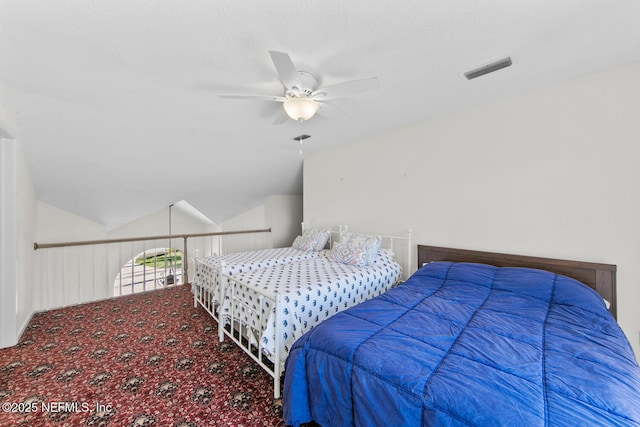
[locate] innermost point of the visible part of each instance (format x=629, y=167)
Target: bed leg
x=277, y=371
x=223, y=283
x=276, y=388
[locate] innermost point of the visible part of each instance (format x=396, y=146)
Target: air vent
x=489, y=68
x=301, y=137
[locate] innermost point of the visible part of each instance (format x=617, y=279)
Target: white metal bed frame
x=242, y=334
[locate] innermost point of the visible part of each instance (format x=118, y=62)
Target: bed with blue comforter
x=467, y=344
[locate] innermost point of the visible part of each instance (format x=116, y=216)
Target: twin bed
x=265, y=300
x=472, y=338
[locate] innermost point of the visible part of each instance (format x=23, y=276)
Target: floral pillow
x=320, y=237
x=304, y=244
x=370, y=243
x=346, y=254
x=311, y=240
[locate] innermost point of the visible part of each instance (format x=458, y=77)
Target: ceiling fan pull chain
x=301, y=138
x=170, y=206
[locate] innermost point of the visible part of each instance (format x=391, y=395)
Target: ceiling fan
x=302, y=97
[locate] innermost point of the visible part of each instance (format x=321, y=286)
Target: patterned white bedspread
x=207, y=271
x=311, y=290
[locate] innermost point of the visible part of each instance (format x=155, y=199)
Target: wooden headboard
x=601, y=277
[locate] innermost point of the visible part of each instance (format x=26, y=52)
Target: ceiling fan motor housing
x=309, y=84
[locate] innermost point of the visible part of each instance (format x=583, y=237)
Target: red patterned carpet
x=144, y=360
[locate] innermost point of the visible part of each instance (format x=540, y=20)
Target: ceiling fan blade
x=286, y=70
x=262, y=97
x=331, y=111
x=345, y=89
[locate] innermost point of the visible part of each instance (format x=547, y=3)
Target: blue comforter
x=467, y=344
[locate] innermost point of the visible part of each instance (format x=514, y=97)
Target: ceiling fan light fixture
x=300, y=108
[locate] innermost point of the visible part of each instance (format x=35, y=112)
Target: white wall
x=255, y=218
x=66, y=276
x=284, y=216
x=26, y=226
x=157, y=224
x=55, y=225
x=8, y=244
x=17, y=208
x=550, y=173
x=281, y=213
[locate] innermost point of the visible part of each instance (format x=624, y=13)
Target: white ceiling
x=115, y=101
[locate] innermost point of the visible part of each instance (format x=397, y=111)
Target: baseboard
x=17, y=337
x=24, y=326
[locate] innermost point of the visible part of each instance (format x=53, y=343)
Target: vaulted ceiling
x=115, y=102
